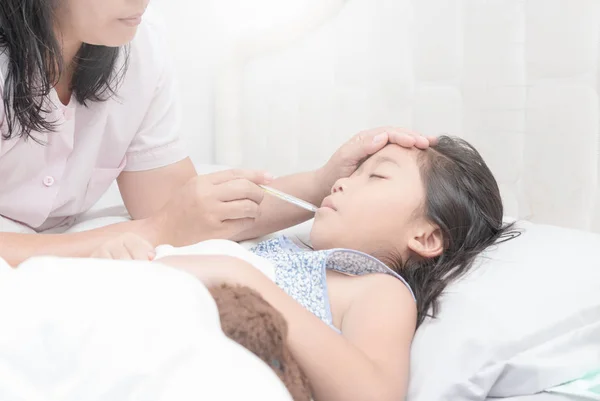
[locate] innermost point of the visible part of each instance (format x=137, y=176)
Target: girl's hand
x=126, y=247
x=214, y=206
x=364, y=144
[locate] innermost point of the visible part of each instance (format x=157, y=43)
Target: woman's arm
x=144, y=194
x=142, y=199
x=15, y=248
x=170, y=207
x=368, y=362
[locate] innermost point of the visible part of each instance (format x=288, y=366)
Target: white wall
x=204, y=35
x=280, y=84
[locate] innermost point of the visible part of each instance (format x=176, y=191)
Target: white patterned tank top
x=301, y=272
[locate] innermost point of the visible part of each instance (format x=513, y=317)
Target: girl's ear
x=428, y=241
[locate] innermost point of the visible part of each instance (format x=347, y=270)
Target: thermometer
x=291, y=199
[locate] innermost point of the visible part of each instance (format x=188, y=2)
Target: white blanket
x=220, y=247
x=91, y=330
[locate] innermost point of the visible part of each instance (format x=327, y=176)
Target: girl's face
x=379, y=209
x=109, y=23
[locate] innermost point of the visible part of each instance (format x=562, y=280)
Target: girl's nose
x=339, y=186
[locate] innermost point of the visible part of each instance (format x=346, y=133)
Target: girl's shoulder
x=362, y=305
x=368, y=285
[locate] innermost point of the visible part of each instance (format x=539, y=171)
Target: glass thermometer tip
x=291, y=199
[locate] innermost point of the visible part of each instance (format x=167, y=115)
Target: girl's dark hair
x=36, y=64
x=463, y=200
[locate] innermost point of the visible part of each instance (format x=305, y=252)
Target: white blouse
x=43, y=186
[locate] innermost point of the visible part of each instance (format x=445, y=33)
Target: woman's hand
x=218, y=205
x=127, y=246
x=364, y=144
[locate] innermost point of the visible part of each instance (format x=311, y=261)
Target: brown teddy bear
x=251, y=321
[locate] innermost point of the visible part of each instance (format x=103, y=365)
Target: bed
x=525, y=321
x=499, y=73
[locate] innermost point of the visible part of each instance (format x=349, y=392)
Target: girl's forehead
x=394, y=154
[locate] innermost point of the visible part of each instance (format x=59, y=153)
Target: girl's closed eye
x=377, y=176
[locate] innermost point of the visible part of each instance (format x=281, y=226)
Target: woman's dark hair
x=463, y=200
x=36, y=64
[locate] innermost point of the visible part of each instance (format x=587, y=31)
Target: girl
x=84, y=104
x=386, y=242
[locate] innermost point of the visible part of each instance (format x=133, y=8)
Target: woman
x=82, y=108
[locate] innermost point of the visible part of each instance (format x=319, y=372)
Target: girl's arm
x=368, y=362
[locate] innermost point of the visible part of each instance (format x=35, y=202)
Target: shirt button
x=48, y=181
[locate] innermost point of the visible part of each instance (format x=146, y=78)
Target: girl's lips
x=328, y=203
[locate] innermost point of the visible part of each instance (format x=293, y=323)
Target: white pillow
x=525, y=319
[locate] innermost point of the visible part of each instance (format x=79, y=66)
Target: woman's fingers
x=140, y=250
x=402, y=139
x=101, y=253
x=407, y=138
x=257, y=177
x=119, y=253
x=238, y=225
x=125, y=247
x=239, y=189
x=373, y=140
x=239, y=209
x=433, y=140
